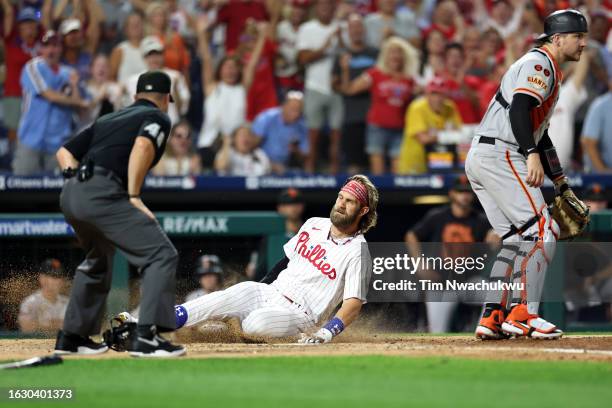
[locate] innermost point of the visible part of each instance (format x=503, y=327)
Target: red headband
x=358, y=190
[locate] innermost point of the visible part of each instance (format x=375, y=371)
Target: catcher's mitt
x=118, y=336
x=569, y=212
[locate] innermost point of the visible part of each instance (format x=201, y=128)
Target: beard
x=341, y=220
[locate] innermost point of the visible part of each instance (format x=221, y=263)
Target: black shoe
x=153, y=345
x=67, y=343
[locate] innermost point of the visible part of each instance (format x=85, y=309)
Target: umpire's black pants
x=104, y=219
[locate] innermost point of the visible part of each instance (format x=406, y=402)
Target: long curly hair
x=411, y=56
x=369, y=220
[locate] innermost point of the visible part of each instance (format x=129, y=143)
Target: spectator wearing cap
x=391, y=86
x=362, y=58
x=597, y=134
x=287, y=69
x=51, y=95
x=234, y=15
x=152, y=51
x=43, y=311
x=176, y=54
x=282, y=133
x=78, y=46
x=21, y=43
x=457, y=222
x=179, y=158
x=126, y=58
x=390, y=21
x=594, y=197
x=426, y=116
x=225, y=90
x=240, y=155
x=318, y=45
x=290, y=204
x=210, y=277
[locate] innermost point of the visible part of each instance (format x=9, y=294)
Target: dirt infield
x=571, y=347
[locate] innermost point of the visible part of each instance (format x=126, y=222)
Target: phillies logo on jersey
x=315, y=255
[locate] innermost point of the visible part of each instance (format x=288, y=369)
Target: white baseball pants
x=497, y=174
x=261, y=309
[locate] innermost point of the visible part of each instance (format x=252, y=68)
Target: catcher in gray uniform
x=508, y=159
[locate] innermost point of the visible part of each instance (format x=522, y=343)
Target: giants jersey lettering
x=535, y=74
x=321, y=273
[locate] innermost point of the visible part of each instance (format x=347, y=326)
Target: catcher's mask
x=119, y=334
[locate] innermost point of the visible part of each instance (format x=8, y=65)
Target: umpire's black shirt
x=109, y=141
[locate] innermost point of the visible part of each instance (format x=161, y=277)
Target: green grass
x=316, y=382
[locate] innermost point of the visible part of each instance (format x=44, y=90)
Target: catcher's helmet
x=564, y=21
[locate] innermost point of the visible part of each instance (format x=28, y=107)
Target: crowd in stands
x=274, y=86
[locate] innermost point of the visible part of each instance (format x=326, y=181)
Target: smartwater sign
x=34, y=227
x=174, y=224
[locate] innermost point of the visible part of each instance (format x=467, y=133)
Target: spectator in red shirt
x=461, y=87
x=21, y=43
x=391, y=85
x=262, y=93
x=235, y=15
x=489, y=86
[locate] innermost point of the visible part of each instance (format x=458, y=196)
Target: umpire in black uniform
x=106, y=165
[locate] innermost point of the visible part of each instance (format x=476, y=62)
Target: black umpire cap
x=564, y=21
x=154, y=81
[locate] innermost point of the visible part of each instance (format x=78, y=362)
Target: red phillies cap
x=436, y=84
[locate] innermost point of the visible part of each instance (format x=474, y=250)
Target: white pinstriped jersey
x=321, y=273
x=535, y=74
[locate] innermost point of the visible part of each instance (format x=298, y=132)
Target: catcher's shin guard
x=537, y=249
x=521, y=323
x=489, y=326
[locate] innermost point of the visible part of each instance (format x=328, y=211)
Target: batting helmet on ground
x=564, y=21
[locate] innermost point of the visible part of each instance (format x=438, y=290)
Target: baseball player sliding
x=506, y=164
x=325, y=264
